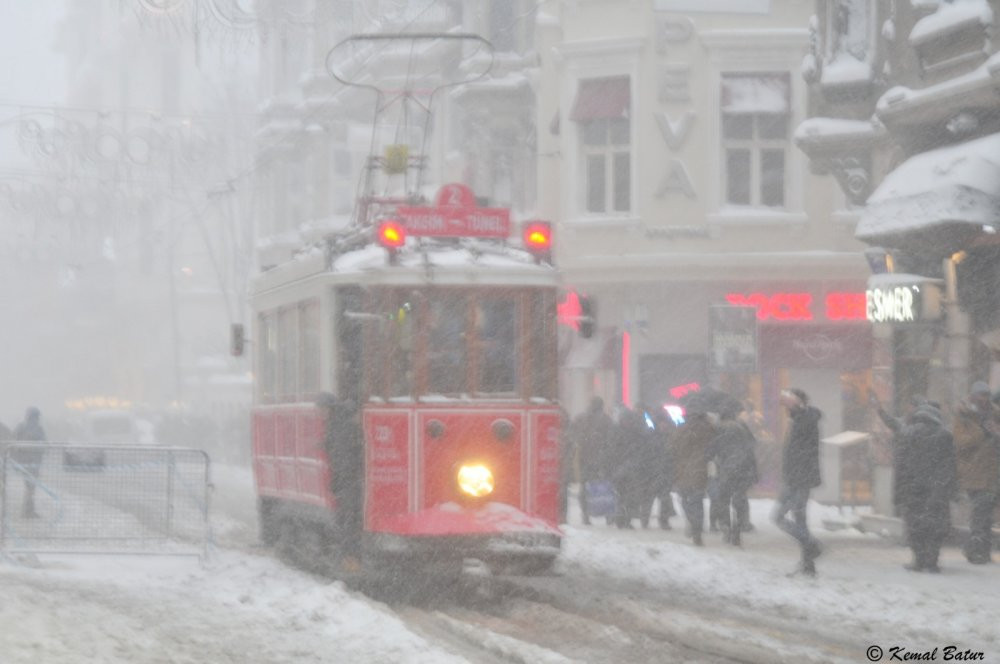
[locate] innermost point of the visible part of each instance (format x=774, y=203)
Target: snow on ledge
x=819, y=128
x=950, y=17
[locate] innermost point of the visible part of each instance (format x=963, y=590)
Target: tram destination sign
x=455, y=215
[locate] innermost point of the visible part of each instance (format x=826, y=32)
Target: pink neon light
x=683, y=390
x=846, y=306
x=798, y=306
x=568, y=311
x=626, y=372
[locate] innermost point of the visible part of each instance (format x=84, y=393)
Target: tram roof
x=468, y=262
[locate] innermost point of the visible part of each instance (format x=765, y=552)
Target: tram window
x=446, y=345
x=542, y=334
x=400, y=345
x=287, y=355
x=497, y=347
x=267, y=358
x=309, y=361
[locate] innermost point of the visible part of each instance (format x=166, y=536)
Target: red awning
x=601, y=98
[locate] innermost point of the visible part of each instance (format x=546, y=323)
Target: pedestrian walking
x=800, y=474
x=628, y=475
x=977, y=437
x=925, y=484
x=591, y=434
x=29, y=457
x=663, y=434
x=736, y=464
x=691, y=450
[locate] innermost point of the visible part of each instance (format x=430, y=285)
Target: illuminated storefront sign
x=902, y=298
x=892, y=305
x=837, y=306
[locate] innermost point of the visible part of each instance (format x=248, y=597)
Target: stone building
x=906, y=116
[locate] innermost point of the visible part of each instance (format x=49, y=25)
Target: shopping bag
x=600, y=497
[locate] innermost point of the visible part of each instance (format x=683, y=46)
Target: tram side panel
x=545, y=427
x=290, y=462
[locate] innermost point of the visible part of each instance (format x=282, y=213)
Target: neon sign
x=683, y=390
x=785, y=307
x=569, y=311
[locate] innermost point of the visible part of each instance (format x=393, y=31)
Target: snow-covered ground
x=862, y=590
x=245, y=606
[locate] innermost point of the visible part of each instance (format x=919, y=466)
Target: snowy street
x=617, y=596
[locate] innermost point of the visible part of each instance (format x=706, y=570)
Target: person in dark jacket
x=976, y=433
x=29, y=458
x=663, y=433
x=691, y=450
x=628, y=476
x=591, y=434
x=649, y=466
x=736, y=464
x=925, y=485
x=343, y=442
x=800, y=474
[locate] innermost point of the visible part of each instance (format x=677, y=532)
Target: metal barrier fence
x=58, y=498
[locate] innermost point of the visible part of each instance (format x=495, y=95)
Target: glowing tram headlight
x=476, y=480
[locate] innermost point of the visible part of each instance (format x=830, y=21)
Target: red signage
x=682, y=391
x=455, y=215
x=799, y=306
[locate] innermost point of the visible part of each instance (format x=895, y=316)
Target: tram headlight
x=475, y=480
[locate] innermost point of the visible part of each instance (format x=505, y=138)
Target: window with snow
x=602, y=112
x=756, y=110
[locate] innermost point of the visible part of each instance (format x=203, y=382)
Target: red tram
x=442, y=326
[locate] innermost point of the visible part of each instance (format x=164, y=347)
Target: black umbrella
x=710, y=400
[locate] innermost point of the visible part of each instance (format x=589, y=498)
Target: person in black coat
x=925, y=485
x=29, y=458
x=592, y=435
x=664, y=429
x=343, y=442
x=800, y=474
x=733, y=453
x=628, y=475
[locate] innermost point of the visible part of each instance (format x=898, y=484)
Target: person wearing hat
x=925, y=484
x=977, y=450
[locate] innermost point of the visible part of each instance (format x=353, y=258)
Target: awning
x=755, y=93
x=601, y=98
x=942, y=196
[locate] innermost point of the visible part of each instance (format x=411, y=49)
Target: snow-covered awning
x=755, y=93
x=956, y=188
x=601, y=99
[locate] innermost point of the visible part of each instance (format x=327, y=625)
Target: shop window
x=756, y=115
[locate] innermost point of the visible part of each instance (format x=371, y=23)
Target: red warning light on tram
x=391, y=234
x=537, y=236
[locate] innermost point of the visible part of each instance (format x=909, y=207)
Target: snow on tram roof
x=374, y=257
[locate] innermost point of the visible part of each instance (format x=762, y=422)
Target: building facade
x=666, y=157
x=907, y=116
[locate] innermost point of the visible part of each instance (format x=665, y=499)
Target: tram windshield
x=460, y=342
